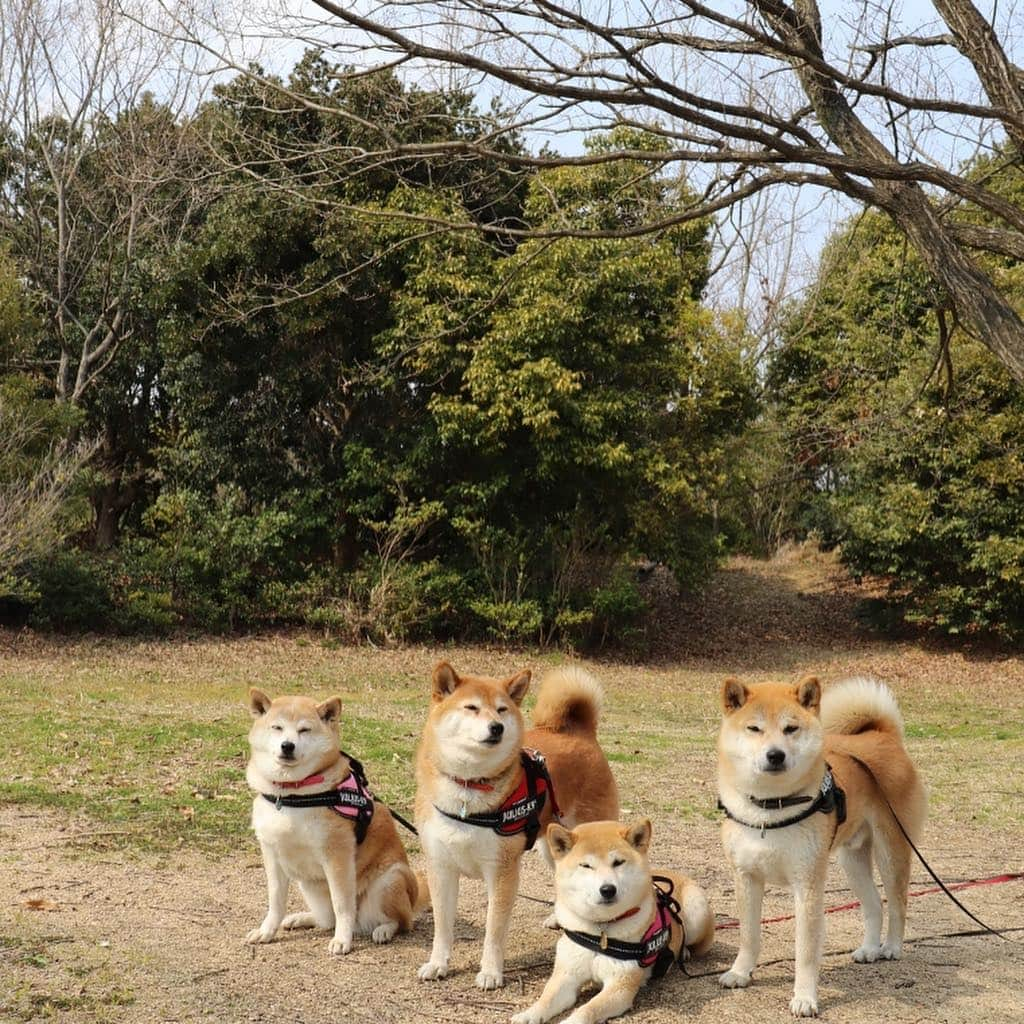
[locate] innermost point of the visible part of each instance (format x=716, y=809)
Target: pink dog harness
x=654, y=949
x=351, y=798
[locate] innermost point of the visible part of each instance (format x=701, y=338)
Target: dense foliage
x=323, y=408
x=905, y=438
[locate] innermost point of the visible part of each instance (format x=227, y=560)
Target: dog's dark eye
x=471, y=707
x=790, y=729
x=277, y=728
x=617, y=863
x=305, y=728
x=502, y=711
x=753, y=728
x=589, y=867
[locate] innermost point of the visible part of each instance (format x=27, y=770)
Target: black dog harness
x=351, y=798
x=830, y=798
x=654, y=949
x=522, y=808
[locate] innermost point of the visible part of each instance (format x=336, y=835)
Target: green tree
x=908, y=433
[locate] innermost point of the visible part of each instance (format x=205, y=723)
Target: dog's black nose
x=775, y=757
x=287, y=748
x=607, y=890
x=496, y=729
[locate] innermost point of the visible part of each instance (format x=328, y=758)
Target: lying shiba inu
x=481, y=799
x=621, y=924
x=317, y=824
x=800, y=774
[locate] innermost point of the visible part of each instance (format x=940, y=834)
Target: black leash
x=920, y=856
x=402, y=821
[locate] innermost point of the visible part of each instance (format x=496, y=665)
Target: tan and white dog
x=615, y=926
x=470, y=768
x=791, y=763
x=365, y=887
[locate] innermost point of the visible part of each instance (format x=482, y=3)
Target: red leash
x=994, y=880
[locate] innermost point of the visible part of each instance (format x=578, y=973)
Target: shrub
x=70, y=592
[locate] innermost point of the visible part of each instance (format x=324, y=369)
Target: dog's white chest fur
x=295, y=838
x=777, y=856
x=469, y=848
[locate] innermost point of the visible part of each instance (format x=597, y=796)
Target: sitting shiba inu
x=622, y=926
x=800, y=774
x=317, y=824
x=481, y=799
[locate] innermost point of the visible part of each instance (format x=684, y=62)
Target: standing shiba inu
x=800, y=774
x=481, y=799
x=316, y=823
x=619, y=928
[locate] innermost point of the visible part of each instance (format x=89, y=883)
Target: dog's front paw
x=529, y=1016
x=490, y=979
x=734, y=979
x=866, y=954
x=385, y=932
x=803, y=1006
x=339, y=947
x=891, y=950
x=431, y=971
x=261, y=934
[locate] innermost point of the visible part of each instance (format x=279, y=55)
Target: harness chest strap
x=521, y=810
x=351, y=798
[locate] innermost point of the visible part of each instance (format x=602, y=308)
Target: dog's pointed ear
x=734, y=695
x=638, y=834
x=330, y=710
x=445, y=680
x=517, y=685
x=808, y=693
x=259, y=702
x=560, y=840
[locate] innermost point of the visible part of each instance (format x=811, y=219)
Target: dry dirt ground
x=122, y=935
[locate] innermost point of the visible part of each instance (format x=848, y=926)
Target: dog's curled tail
x=569, y=701
x=860, y=705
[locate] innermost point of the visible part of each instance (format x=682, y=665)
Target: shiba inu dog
x=481, y=799
x=800, y=774
x=317, y=824
x=621, y=924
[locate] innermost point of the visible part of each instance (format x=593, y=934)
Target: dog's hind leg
x=320, y=913
x=893, y=856
x=856, y=862
x=385, y=908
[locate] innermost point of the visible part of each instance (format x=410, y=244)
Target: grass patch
x=148, y=741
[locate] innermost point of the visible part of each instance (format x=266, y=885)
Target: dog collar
x=655, y=948
x=830, y=798
x=309, y=780
x=481, y=784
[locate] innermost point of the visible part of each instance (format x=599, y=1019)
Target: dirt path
x=159, y=940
